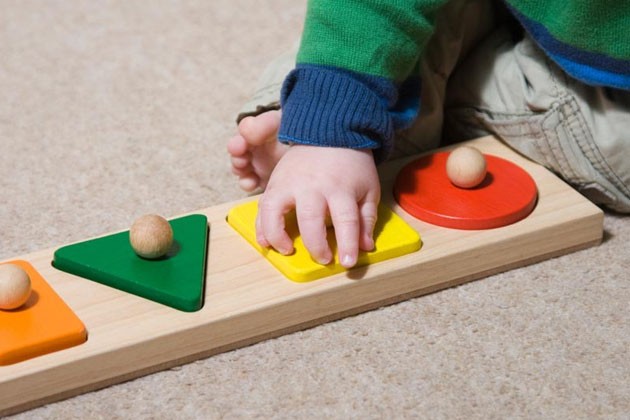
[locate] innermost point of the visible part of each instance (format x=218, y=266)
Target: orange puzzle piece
x=44, y=324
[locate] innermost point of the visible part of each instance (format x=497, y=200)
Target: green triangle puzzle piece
x=176, y=280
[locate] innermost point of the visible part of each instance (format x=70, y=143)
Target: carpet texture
x=110, y=110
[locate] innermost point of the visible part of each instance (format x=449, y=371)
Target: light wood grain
x=247, y=300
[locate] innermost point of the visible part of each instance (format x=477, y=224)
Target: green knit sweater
x=353, y=81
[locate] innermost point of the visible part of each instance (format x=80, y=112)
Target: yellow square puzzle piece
x=393, y=237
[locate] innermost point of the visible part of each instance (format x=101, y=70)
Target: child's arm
x=348, y=93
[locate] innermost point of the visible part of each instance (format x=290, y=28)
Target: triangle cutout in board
x=176, y=280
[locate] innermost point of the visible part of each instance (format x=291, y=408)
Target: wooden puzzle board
x=247, y=300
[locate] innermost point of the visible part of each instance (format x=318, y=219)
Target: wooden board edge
x=589, y=230
x=281, y=332
x=591, y=236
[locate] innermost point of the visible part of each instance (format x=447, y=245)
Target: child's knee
x=515, y=92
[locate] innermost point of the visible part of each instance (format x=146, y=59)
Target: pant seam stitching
x=590, y=149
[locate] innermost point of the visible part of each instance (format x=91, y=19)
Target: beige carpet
x=109, y=110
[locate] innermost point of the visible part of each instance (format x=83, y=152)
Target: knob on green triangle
x=176, y=280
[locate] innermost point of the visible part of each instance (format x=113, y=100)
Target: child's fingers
x=249, y=183
x=344, y=213
x=242, y=172
x=368, y=209
x=369, y=212
x=271, y=211
x=237, y=146
x=242, y=161
x=311, y=216
x=257, y=130
x=260, y=238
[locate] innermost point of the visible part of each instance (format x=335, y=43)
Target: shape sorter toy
x=246, y=299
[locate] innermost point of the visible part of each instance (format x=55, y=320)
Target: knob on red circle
x=507, y=194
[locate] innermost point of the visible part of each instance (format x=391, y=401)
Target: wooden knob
x=15, y=286
x=466, y=167
x=151, y=236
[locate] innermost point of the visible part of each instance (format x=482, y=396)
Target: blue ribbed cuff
x=332, y=107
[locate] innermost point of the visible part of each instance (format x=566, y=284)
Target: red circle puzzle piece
x=507, y=194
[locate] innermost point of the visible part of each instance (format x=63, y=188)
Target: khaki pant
x=481, y=75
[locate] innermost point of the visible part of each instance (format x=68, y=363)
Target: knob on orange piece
x=15, y=286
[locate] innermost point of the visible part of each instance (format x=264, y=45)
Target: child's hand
x=317, y=181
